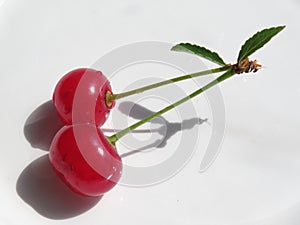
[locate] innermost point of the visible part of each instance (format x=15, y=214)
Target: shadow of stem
x=167, y=129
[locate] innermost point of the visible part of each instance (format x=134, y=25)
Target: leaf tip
x=280, y=28
x=178, y=47
x=173, y=48
x=257, y=41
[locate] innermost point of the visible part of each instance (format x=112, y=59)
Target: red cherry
x=80, y=97
x=84, y=159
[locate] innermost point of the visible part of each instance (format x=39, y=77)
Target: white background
x=255, y=179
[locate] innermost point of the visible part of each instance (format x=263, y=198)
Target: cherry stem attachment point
x=226, y=75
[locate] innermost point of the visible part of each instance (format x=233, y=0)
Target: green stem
x=120, y=134
x=176, y=79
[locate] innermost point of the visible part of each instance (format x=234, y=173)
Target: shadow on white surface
x=43, y=123
x=42, y=189
x=41, y=126
x=167, y=130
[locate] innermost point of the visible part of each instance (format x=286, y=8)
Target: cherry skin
x=80, y=97
x=83, y=158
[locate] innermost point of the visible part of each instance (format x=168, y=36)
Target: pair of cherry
x=80, y=153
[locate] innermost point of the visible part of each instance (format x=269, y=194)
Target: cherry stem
x=113, y=97
x=120, y=134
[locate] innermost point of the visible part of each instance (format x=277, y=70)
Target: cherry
x=85, y=160
x=80, y=97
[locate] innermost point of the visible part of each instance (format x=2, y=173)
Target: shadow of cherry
x=42, y=189
x=38, y=185
x=42, y=125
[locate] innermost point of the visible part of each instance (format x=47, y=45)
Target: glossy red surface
x=79, y=97
x=85, y=160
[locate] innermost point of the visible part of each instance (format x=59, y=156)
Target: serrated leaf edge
x=181, y=48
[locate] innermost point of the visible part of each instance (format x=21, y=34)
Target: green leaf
x=257, y=41
x=200, y=51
